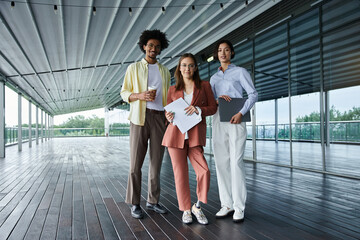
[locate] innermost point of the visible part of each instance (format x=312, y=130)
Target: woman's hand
x=236, y=119
x=169, y=116
x=190, y=110
x=226, y=97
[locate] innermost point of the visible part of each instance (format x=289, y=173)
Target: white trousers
x=229, y=146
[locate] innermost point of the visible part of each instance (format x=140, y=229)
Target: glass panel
x=305, y=68
x=305, y=117
x=338, y=13
x=271, y=76
x=342, y=57
x=11, y=116
x=282, y=148
x=243, y=54
x=271, y=41
x=25, y=118
x=304, y=27
x=33, y=120
x=118, y=123
x=265, y=130
x=249, y=145
x=344, y=107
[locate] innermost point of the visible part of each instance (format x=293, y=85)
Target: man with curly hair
x=145, y=88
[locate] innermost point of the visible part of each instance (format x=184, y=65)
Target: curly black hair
x=153, y=34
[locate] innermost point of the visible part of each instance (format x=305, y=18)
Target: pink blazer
x=202, y=98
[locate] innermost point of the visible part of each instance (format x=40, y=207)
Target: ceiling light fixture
x=163, y=10
x=55, y=9
x=12, y=4
x=130, y=12
x=222, y=6
x=94, y=10
x=193, y=8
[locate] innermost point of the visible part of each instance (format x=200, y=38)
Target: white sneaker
x=224, y=211
x=200, y=216
x=186, y=217
x=238, y=216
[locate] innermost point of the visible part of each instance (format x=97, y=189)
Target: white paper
x=181, y=120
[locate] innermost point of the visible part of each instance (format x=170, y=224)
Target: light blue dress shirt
x=232, y=82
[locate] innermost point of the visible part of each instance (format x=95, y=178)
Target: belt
x=154, y=111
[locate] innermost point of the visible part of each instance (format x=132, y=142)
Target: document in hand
x=181, y=120
x=229, y=109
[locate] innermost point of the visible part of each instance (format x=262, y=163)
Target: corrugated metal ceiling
x=71, y=59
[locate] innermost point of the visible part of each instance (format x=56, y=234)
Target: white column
x=106, y=122
x=46, y=125
x=327, y=118
x=49, y=126
x=30, y=133
x=276, y=121
x=253, y=119
x=52, y=127
x=42, y=126
x=2, y=119
x=37, y=125
x=19, y=123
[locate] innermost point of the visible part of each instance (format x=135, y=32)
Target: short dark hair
x=153, y=34
x=180, y=85
x=215, y=54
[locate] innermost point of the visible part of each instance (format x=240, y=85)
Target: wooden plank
x=75, y=189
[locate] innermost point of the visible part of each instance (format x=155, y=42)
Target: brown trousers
x=153, y=129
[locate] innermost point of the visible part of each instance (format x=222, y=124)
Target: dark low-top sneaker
x=136, y=211
x=156, y=208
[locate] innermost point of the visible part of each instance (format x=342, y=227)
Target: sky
x=343, y=100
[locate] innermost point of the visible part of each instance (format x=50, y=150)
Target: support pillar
x=106, y=122
x=30, y=130
x=37, y=126
x=42, y=126
x=2, y=119
x=19, y=124
x=276, y=121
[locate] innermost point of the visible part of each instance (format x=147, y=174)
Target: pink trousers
x=181, y=174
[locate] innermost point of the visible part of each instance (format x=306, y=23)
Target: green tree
x=79, y=121
x=335, y=115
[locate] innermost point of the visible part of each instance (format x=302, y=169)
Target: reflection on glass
x=306, y=131
x=344, y=112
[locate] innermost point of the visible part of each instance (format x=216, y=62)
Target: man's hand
x=236, y=119
x=148, y=96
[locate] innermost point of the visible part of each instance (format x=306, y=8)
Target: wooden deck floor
x=75, y=188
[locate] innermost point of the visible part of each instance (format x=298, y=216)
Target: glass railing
x=120, y=131
x=78, y=132
x=340, y=131
x=11, y=134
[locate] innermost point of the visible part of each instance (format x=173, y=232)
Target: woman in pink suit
x=201, y=101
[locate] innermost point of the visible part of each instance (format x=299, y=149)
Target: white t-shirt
x=154, y=80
